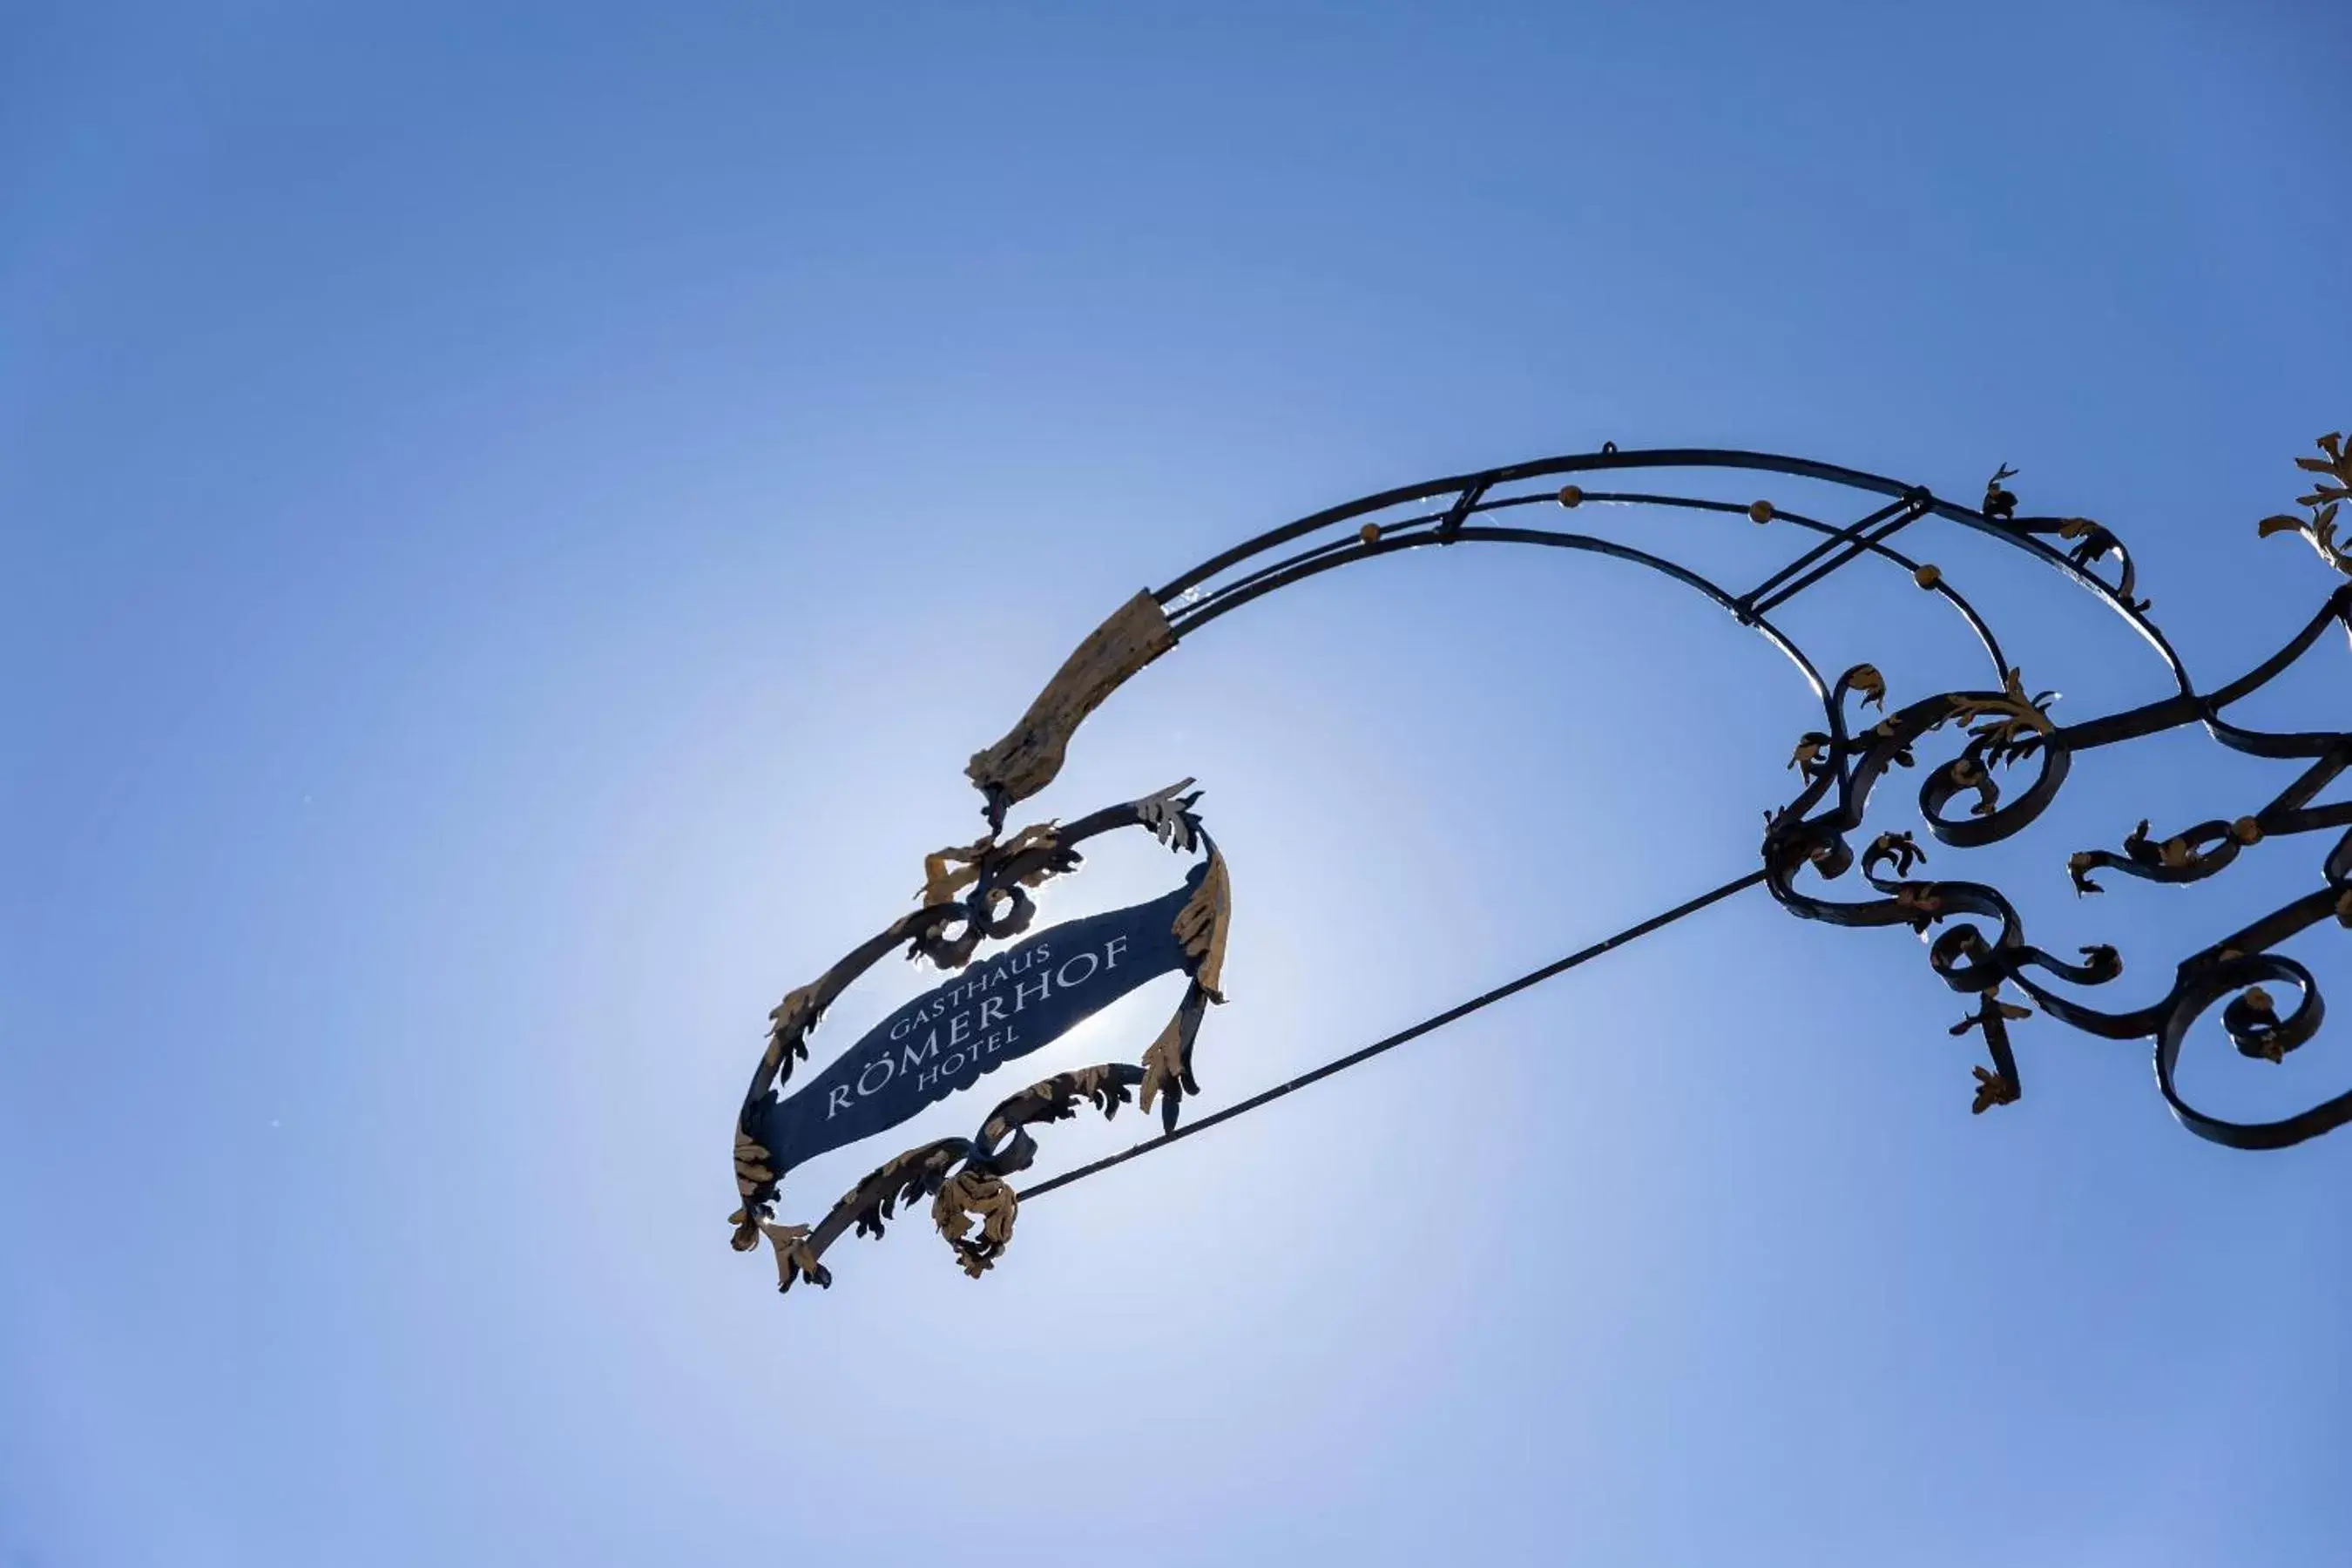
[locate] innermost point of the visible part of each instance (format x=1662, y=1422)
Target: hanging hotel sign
x=996, y=1009
x=988, y=1011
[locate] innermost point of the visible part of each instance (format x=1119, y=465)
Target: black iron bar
x=1463, y=504
x=1462, y=1010
x=1842, y=536
x=1184, y=607
x=1782, y=595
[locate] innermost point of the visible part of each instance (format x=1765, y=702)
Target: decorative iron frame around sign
x=1804, y=851
x=976, y=893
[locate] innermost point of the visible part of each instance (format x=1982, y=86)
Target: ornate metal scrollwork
x=2009, y=729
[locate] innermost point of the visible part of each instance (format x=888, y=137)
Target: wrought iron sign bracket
x=978, y=894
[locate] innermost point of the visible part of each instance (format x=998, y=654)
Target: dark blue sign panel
x=1024, y=998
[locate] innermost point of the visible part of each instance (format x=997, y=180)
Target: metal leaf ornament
x=2334, y=464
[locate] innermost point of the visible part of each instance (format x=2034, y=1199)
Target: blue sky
x=511, y=521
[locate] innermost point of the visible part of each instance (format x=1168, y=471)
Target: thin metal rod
x=1842, y=536
x=1783, y=594
x=1509, y=988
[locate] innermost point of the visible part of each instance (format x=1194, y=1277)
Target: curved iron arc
x=1192, y=611
x=1029, y=757
x=1389, y=545
x=2022, y=534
